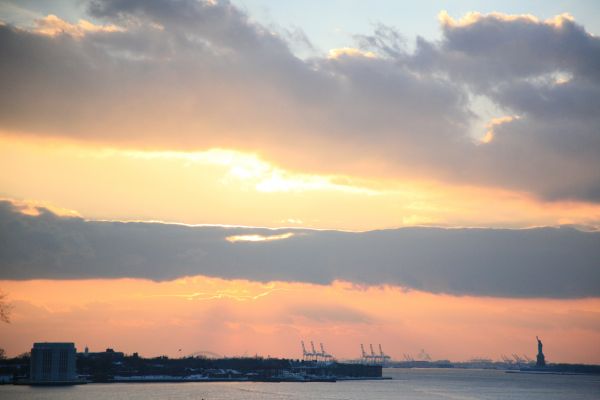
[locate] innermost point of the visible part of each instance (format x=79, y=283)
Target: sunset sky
x=236, y=177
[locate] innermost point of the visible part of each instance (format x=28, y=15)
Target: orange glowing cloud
x=246, y=318
x=495, y=122
x=474, y=17
x=51, y=25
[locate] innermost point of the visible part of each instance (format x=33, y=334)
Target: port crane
x=507, y=360
x=384, y=357
x=367, y=358
x=306, y=355
x=518, y=359
x=372, y=357
x=324, y=355
x=424, y=356
x=313, y=354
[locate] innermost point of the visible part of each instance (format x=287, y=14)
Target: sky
x=236, y=177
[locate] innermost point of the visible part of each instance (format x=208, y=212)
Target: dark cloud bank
x=191, y=75
x=541, y=262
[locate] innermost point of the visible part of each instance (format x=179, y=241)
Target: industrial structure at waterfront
x=60, y=364
x=322, y=356
x=372, y=358
x=314, y=355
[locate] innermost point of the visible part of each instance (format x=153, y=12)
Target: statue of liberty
x=541, y=360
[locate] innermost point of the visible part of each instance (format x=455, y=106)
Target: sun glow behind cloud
x=249, y=169
x=230, y=187
x=258, y=238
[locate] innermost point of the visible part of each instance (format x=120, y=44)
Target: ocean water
x=424, y=384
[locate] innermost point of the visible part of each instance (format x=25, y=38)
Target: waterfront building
x=53, y=363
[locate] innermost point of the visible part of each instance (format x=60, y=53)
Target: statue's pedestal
x=541, y=360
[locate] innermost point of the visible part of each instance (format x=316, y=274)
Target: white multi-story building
x=53, y=362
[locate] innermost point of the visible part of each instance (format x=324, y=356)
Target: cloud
x=545, y=72
x=196, y=75
x=51, y=25
x=329, y=314
x=495, y=122
x=497, y=48
x=540, y=262
x=349, y=52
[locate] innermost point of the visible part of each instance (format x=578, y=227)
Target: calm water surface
x=407, y=384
